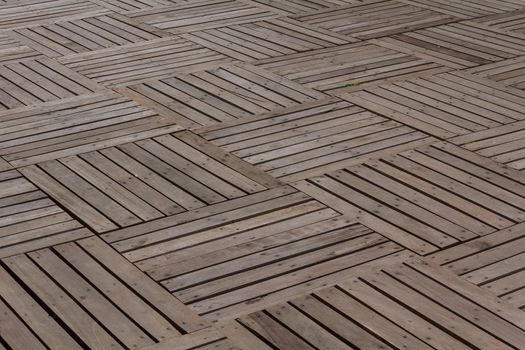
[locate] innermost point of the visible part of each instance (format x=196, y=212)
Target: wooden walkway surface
x=262, y=174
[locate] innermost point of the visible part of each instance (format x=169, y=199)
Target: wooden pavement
x=262, y=174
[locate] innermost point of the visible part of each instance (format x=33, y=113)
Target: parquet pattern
x=262, y=174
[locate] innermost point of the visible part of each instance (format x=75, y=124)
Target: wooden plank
x=87, y=283
x=375, y=258
x=503, y=144
x=75, y=125
x=459, y=45
x=493, y=262
x=349, y=67
x=300, y=6
x=200, y=259
x=373, y=19
x=342, y=326
x=220, y=95
x=467, y=9
x=417, y=177
x=81, y=322
x=291, y=284
x=146, y=180
x=511, y=21
x=86, y=34
x=508, y=72
x=163, y=223
x=448, y=321
x=42, y=80
x=15, y=334
x=262, y=325
x=123, y=6
x=444, y=105
x=320, y=137
x=167, y=307
x=26, y=13
x=477, y=295
x=493, y=325
x=202, y=14
x=262, y=174
x=207, y=338
x=12, y=51
x=131, y=63
x=270, y=38
x=114, y=320
x=240, y=336
x=29, y=220
x=386, y=308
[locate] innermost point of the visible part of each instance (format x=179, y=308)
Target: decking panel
x=262, y=174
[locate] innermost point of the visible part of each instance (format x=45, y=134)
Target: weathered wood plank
x=131, y=63
x=494, y=262
x=86, y=35
x=270, y=38
x=75, y=125
x=459, y=45
x=94, y=295
x=503, y=144
x=467, y=8
x=145, y=180
x=373, y=19
x=29, y=220
x=433, y=196
x=219, y=95
x=349, y=67
x=262, y=174
x=26, y=13
x=312, y=139
x=202, y=14
x=400, y=305
x=444, y=105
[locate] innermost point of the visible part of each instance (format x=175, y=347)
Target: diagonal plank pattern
x=136, y=182
x=73, y=125
x=102, y=298
x=428, y=198
x=29, y=219
x=372, y=19
x=262, y=174
x=503, y=144
x=338, y=69
x=494, y=262
x=222, y=257
x=202, y=14
x=468, y=8
x=219, y=95
x=11, y=51
x=86, y=34
x=458, y=45
x=28, y=13
x=265, y=39
x=399, y=306
x=313, y=139
x=43, y=80
x=444, y=105
x=131, y=63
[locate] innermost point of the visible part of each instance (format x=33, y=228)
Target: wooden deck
x=262, y=174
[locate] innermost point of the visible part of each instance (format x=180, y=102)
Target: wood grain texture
x=29, y=219
x=396, y=306
x=444, y=105
x=141, y=181
x=262, y=174
x=349, y=67
x=226, y=93
x=373, y=19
